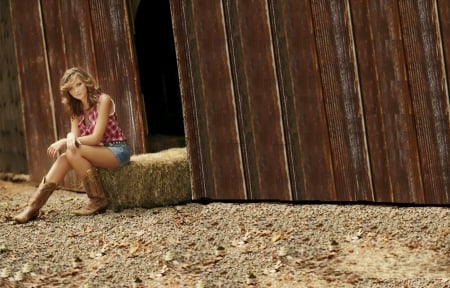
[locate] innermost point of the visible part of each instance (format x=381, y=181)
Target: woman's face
x=78, y=90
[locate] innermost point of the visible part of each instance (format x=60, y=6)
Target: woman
x=95, y=141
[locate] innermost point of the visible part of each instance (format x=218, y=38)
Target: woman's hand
x=53, y=149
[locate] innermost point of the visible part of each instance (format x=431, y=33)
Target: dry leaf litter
x=223, y=245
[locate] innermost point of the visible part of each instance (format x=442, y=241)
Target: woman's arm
x=72, y=141
x=56, y=147
x=74, y=126
x=69, y=142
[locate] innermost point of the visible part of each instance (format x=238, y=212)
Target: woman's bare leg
x=48, y=184
x=59, y=169
x=85, y=157
x=83, y=160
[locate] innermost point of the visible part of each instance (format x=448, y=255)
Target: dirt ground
x=223, y=245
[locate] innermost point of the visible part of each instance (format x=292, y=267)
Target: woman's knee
x=62, y=160
x=71, y=156
x=74, y=157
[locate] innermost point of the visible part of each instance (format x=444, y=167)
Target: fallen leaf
x=134, y=249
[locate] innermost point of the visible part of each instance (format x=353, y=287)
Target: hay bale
x=149, y=180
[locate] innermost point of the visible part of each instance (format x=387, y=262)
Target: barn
x=306, y=100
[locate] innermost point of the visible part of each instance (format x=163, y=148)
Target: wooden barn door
x=343, y=100
x=52, y=35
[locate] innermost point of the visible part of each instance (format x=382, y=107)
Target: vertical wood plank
x=208, y=97
x=257, y=99
x=185, y=43
x=342, y=100
x=308, y=147
x=429, y=91
x=217, y=99
x=387, y=103
x=444, y=24
x=34, y=87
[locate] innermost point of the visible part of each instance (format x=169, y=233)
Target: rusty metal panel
x=66, y=25
x=387, y=103
x=92, y=34
x=57, y=62
x=307, y=144
x=75, y=23
x=342, y=99
x=34, y=85
x=115, y=62
x=257, y=100
x=12, y=144
x=73, y=32
x=429, y=91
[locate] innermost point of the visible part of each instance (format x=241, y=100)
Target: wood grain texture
x=342, y=100
x=258, y=101
x=387, y=102
x=299, y=80
x=291, y=100
x=430, y=102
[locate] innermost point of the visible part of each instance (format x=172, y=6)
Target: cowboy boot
x=97, y=202
x=37, y=200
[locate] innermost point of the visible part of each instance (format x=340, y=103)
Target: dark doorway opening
x=155, y=49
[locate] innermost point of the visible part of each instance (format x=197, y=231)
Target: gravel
x=223, y=245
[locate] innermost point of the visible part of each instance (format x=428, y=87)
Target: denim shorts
x=122, y=152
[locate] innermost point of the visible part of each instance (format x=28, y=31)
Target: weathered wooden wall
x=12, y=145
x=340, y=100
x=292, y=100
x=53, y=35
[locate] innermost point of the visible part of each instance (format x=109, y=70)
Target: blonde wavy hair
x=74, y=106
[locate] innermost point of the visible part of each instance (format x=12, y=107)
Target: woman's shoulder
x=102, y=96
x=105, y=103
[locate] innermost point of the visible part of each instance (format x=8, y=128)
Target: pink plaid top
x=112, y=132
